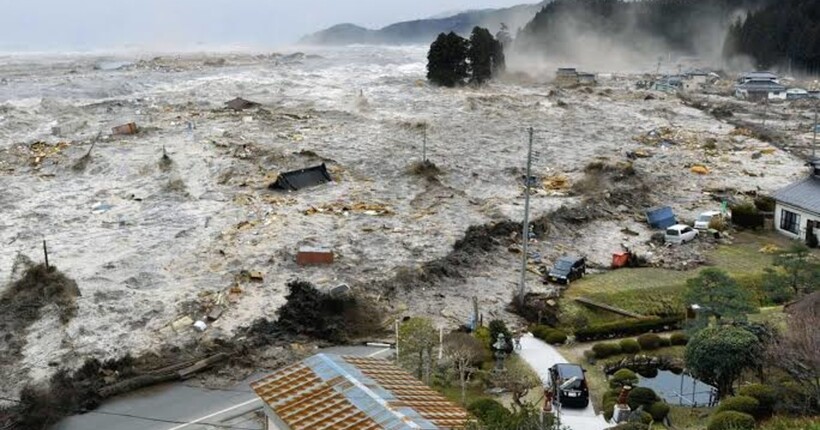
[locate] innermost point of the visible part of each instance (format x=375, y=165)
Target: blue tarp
x=661, y=218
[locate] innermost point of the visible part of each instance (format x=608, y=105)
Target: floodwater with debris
x=156, y=243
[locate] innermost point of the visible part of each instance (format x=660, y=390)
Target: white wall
x=804, y=218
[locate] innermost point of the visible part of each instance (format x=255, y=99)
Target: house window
x=789, y=221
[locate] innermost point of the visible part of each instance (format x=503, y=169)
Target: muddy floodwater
x=156, y=243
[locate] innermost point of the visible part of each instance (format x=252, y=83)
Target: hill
x=424, y=31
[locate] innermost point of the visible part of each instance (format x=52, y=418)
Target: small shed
x=310, y=256
x=661, y=218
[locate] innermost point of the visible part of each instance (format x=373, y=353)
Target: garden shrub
x=659, y=410
x=609, y=408
x=641, y=396
x=649, y=341
x=665, y=342
x=611, y=395
x=548, y=334
x=630, y=346
x=679, y=339
x=607, y=349
x=623, y=377
x=498, y=327
x=628, y=328
x=630, y=426
x=765, y=395
x=745, y=404
x=731, y=420
x=646, y=418
x=489, y=411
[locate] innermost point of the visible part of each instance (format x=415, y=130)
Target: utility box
x=314, y=256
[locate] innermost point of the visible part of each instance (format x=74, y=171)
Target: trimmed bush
x=679, y=339
x=646, y=418
x=548, y=334
x=609, y=408
x=489, y=411
x=641, y=396
x=604, y=350
x=659, y=411
x=731, y=420
x=765, y=395
x=630, y=426
x=630, y=346
x=623, y=377
x=649, y=341
x=745, y=404
x=628, y=328
x=611, y=395
x=665, y=342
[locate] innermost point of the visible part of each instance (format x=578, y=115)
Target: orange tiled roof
x=354, y=393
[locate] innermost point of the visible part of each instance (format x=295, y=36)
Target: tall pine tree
x=447, y=60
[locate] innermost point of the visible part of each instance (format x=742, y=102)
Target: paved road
x=541, y=357
x=177, y=406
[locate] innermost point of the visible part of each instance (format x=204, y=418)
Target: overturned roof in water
x=303, y=178
x=327, y=391
x=241, y=104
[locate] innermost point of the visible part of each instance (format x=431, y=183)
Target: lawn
x=651, y=291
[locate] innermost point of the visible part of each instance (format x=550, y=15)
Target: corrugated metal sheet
x=661, y=218
x=804, y=195
x=331, y=392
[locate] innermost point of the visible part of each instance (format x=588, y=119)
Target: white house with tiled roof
x=797, y=213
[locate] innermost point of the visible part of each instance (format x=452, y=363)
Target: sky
x=80, y=25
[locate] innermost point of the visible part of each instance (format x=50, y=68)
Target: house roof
x=761, y=86
x=804, y=194
x=241, y=104
x=302, y=178
x=327, y=391
x=759, y=75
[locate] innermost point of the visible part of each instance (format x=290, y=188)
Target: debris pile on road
x=340, y=208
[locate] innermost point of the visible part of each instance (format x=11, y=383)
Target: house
x=758, y=76
x=586, y=79
x=567, y=76
x=328, y=391
x=797, y=210
x=756, y=90
x=796, y=94
x=669, y=84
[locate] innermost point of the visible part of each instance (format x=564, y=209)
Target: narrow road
x=541, y=356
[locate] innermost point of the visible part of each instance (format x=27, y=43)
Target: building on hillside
x=797, y=94
x=669, y=83
x=327, y=391
x=758, y=76
x=586, y=79
x=756, y=90
x=797, y=210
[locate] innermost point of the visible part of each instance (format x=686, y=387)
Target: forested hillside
x=785, y=33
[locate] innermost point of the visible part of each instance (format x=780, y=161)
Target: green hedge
x=765, y=395
x=745, y=404
x=606, y=349
x=649, y=341
x=628, y=328
x=665, y=341
x=549, y=335
x=630, y=346
x=489, y=411
x=623, y=377
x=641, y=396
x=659, y=410
x=731, y=420
x=679, y=339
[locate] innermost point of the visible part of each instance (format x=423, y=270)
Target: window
x=789, y=221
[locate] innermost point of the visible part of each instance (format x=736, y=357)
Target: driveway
x=541, y=356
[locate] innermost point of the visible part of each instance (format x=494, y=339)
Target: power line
x=140, y=417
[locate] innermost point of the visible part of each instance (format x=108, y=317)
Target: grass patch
x=655, y=291
x=684, y=418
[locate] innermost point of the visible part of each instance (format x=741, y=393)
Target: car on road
x=680, y=233
x=569, y=385
x=705, y=218
x=567, y=269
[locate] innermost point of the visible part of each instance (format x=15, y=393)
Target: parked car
x=569, y=385
x=680, y=233
x=705, y=218
x=567, y=269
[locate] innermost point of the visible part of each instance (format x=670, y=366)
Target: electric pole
x=814, y=131
x=424, y=146
x=525, y=234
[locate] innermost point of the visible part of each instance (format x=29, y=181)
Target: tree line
x=454, y=60
x=785, y=33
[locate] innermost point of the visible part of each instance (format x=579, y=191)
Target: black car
x=567, y=269
x=574, y=393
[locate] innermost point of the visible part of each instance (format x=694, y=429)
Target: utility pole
x=45, y=252
x=814, y=131
x=424, y=145
x=525, y=234
x=397, y=342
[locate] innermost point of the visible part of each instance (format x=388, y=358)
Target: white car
x=705, y=218
x=680, y=233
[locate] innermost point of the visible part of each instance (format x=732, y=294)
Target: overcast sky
x=166, y=24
